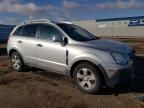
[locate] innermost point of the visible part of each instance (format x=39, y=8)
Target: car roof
x=44, y=21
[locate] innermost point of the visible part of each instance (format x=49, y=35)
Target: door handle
x=39, y=45
x=19, y=41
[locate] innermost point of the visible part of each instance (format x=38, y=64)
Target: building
x=115, y=27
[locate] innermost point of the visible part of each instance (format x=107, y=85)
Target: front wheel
x=87, y=78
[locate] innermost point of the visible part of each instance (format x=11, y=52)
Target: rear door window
x=18, y=31
x=29, y=30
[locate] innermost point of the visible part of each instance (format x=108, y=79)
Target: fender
x=86, y=57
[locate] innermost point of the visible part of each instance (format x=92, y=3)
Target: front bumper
x=118, y=74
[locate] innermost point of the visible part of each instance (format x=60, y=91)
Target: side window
x=49, y=33
x=18, y=31
x=29, y=30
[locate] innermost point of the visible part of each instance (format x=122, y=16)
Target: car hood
x=109, y=45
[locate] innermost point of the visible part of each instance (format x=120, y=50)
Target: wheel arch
x=97, y=66
x=14, y=50
x=11, y=51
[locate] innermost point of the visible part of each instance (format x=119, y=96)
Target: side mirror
x=64, y=41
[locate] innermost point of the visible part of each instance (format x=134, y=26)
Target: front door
x=50, y=53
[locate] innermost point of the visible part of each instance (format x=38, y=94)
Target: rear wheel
x=17, y=62
x=87, y=78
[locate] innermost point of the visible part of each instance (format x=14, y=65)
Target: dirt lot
x=41, y=89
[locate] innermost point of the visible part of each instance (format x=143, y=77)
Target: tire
x=87, y=78
x=17, y=62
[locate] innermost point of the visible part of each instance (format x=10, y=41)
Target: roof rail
x=66, y=22
x=36, y=20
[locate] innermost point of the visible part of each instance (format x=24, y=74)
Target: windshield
x=77, y=33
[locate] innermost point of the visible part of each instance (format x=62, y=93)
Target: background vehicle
x=67, y=49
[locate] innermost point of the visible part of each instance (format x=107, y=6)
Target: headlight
x=120, y=58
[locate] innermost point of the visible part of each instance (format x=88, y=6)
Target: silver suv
x=68, y=49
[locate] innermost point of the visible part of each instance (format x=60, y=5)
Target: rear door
x=26, y=42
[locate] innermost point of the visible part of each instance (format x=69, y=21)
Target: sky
x=16, y=11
